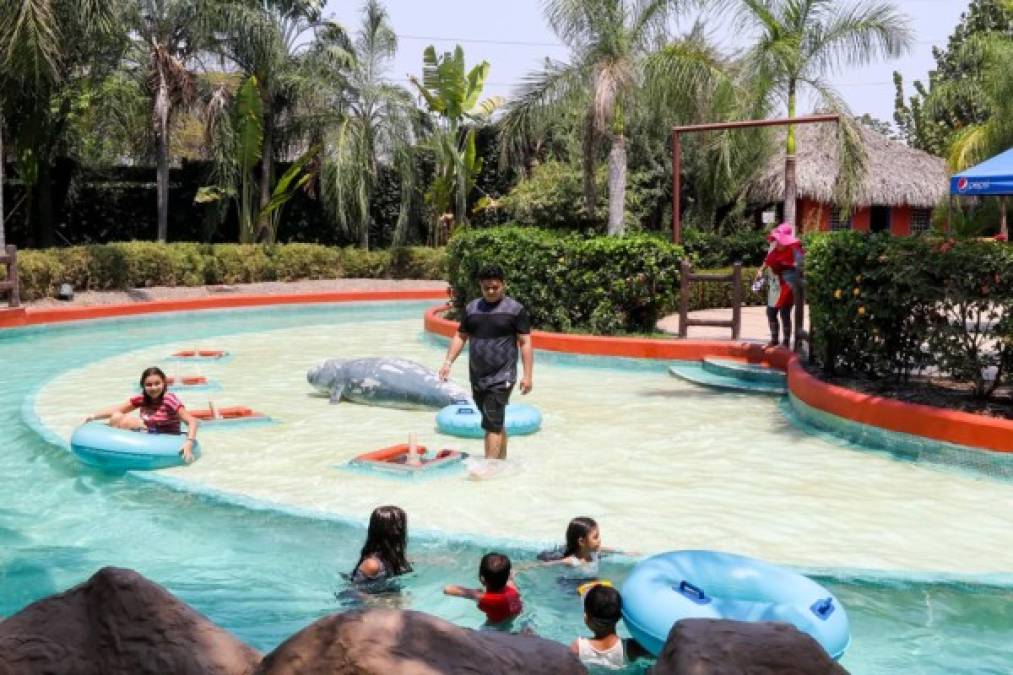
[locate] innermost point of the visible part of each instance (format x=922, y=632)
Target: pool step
x=697, y=373
x=745, y=371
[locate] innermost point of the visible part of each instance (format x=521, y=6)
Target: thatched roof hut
x=895, y=174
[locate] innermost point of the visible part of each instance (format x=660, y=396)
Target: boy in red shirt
x=499, y=600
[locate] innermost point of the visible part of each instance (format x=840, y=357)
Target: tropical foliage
x=800, y=44
x=599, y=284
x=452, y=93
x=583, y=145
x=380, y=124
x=615, y=59
x=964, y=90
x=139, y=264
x=888, y=307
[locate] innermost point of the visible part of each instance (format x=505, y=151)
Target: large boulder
x=116, y=623
x=720, y=647
x=386, y=641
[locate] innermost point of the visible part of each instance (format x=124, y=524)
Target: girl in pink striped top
x=160, y=412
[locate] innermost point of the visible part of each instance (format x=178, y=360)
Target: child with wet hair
x=383, y=555
x=499, y=598
x=603, y=608
x=581, y=550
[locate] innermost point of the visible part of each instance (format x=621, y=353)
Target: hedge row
x=896, y=306
x=570, y=283
x=120, y=266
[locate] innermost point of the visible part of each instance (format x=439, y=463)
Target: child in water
x=499, y=599
x=160, y=412
x=582, y=549
x=383, y=555
x=603, y=607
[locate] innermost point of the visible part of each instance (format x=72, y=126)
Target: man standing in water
x=496, y=325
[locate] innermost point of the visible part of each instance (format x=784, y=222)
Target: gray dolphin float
x=387, y=382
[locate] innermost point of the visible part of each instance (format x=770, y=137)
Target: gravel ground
x=85, y=298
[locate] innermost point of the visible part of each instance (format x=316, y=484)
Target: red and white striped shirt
x=164, y=417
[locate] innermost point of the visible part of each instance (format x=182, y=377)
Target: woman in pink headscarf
x=783, y=269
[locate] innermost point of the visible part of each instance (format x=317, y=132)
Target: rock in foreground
x=719, y=647
x=118, y=623
x=386, y=641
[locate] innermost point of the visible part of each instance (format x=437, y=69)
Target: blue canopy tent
x=993, y=177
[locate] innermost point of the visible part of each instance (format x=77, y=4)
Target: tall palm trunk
x=42, y=201
x=3, y=234
x=590, y=191
x=1003, y=227
x=617, y=185
x=790, y=186
x=162, y=162
x=265, y=231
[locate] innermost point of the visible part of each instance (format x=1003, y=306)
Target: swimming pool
x=266, y=572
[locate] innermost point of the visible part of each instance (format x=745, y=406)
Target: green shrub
x=602, y=285
x=418, y=262
x=39, y=274
x=892, y=306
x=360, y=264
x=711, y=250
x=552, y=197
x=126, y=265
x=708, y=295
x=306, y=261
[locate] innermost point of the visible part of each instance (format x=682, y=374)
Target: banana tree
x=452, y=95
x=234, y=130
x=295, y=54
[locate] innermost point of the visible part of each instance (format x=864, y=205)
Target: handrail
x=10, y=282
x=686, y=276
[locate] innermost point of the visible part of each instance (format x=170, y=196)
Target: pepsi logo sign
x=961, y=184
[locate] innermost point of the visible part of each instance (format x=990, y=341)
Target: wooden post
x=683, y=299
x=800, y=335
x=14, y=300
x=1003, y=228
x=676, y=188
x=736, y=300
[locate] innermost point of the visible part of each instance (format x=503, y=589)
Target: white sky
x=513, y=37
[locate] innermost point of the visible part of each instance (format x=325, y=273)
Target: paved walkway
x=754, y=324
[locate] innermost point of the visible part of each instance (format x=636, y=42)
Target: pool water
x=270, y=563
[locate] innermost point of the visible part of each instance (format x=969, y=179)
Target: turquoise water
x=265, y=574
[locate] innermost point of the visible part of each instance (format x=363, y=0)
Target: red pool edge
x=31, y=316
x=976, y=431
x=950, y=426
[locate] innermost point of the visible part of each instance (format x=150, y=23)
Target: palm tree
x=452, y=94
x=47, y=49
x=609, y=41
x=801, y=42
x=379, y=125
x=167, y=35
x=977, y=142
x=293, y=53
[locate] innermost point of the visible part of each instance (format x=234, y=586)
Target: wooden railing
x=686, y=277
x=10, y=282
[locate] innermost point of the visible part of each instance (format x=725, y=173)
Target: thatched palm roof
x=895, y=174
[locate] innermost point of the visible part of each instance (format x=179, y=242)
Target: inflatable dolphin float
x=387, y=382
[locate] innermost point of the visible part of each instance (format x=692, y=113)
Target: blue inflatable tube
x=111, y=449
x=711, y=585
x=464, y=420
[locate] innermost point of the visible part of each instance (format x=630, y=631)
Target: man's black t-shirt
x=492, y=331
